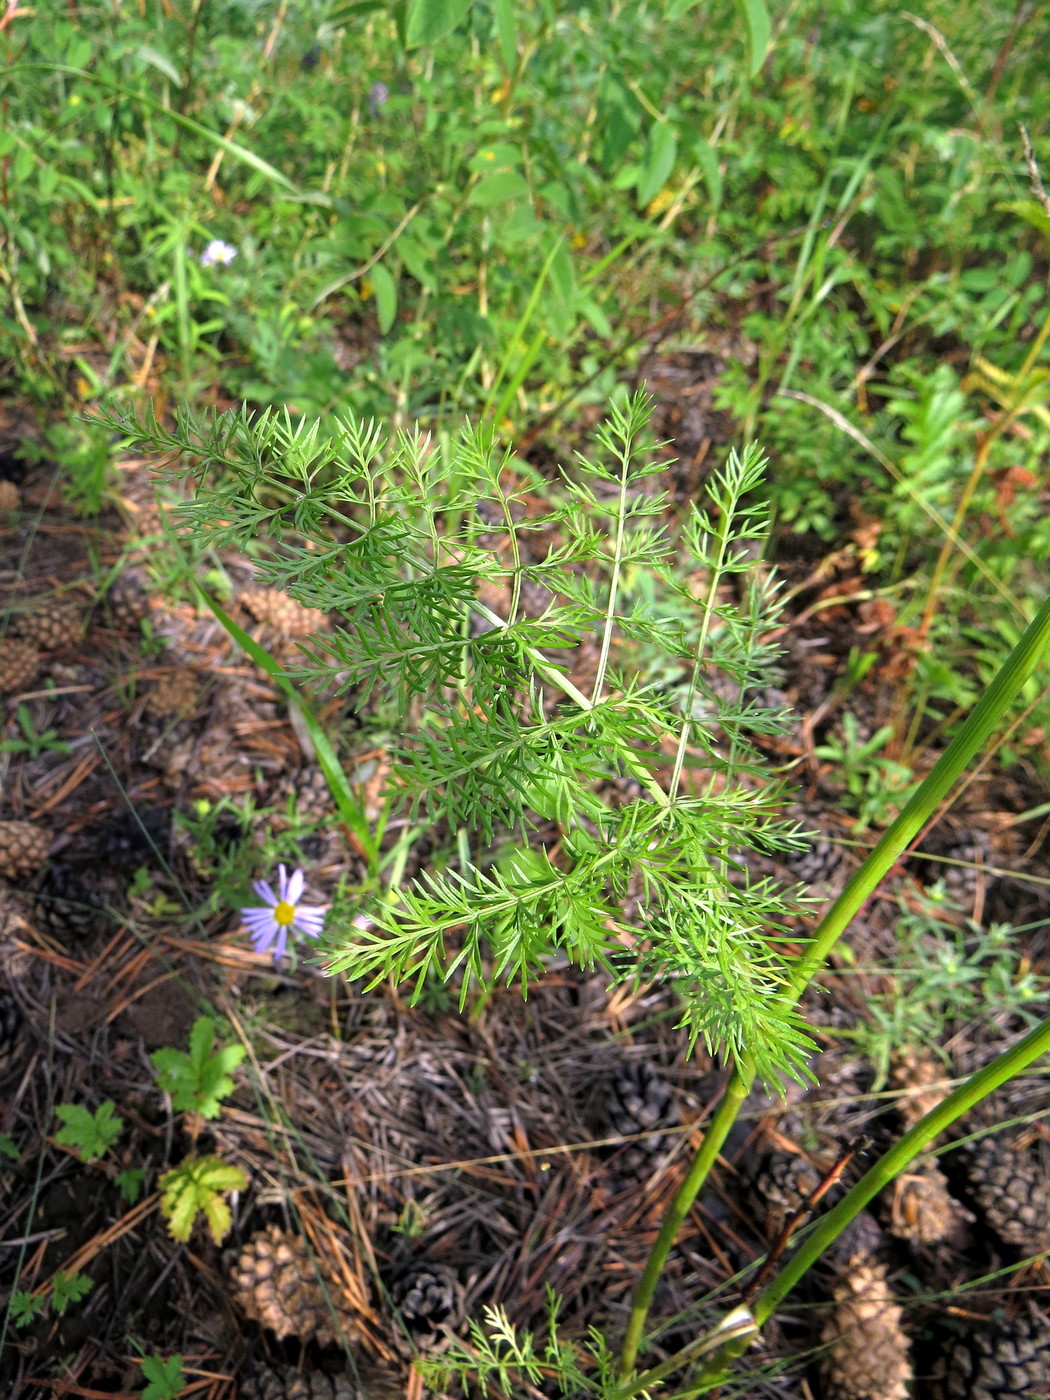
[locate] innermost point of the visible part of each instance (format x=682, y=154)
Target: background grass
x=487, y=224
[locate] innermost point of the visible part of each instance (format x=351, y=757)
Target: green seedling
x=33, y=744
x=129, y=1184
x=26, y=1307
x=69, y=1288
x=198, y=1186
x=200, y=1080
x=165, y=1378
x=877, y=786
x=65, y=1289
x=91, y=1135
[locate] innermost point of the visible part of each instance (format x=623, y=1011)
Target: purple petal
x=263, y=890
x=282, y=943
x=295, y=886
x=282, y=885
x=263, y=931
x=258, y=918
x=310, y=922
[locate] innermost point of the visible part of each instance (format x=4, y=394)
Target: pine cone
x=313, y=797
x=914, y=1071
x=282, y=613
x=176, y=693
x=1013, y=1193
x=276, y=1283
x=868, y=1351
x=19, y=665
x=23, y=849
x=823, y=867
x=962, y=882
x=10, y=496
x=283, y=1383
x=10, y=1029
x=640, y=1099
x=923, y=1209
x=1009, y=1362
x=784, y=1183
x=54, y=627
x=65, y=904
x=135, y=836
x=429, y=1300
x=129, y=599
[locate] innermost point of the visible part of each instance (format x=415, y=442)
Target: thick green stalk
x=897, y=1159
x=737, y=1329
x=974, y=735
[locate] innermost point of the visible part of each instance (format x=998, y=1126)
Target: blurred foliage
x=442, y=208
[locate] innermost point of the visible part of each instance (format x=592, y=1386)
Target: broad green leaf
x=756, y=19
x=660, y=152
x=428, y=20
x=507, y=34
x=498, y=189
x=385, y=289
x=497, y=155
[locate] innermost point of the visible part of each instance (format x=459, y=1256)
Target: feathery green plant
x=574, y=783
x=429, y=554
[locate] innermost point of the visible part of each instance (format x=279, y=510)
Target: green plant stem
x=970, y=740
x=350, y=809
x=1011, y=1062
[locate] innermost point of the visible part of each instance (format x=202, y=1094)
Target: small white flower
x=283, y=914
x=218, y=252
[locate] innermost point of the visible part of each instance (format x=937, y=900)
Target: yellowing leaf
x=198, y=1184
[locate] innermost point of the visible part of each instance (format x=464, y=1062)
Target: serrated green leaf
x=199, y=1081
x=25, y=1307
x=129, y=1184
x=166, y=1378
x=91, y=1135
x=217, y=1214
x=197, y=1185
x=385, y=289
x=69, y=1288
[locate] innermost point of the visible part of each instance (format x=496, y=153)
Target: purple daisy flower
x=283, y=914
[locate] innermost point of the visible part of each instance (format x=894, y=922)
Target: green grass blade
x=232, y=148
x=349, y=808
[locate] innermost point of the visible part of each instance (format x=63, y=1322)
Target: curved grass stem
x=971, y=739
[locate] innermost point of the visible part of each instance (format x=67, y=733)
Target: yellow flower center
x=284, y=913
